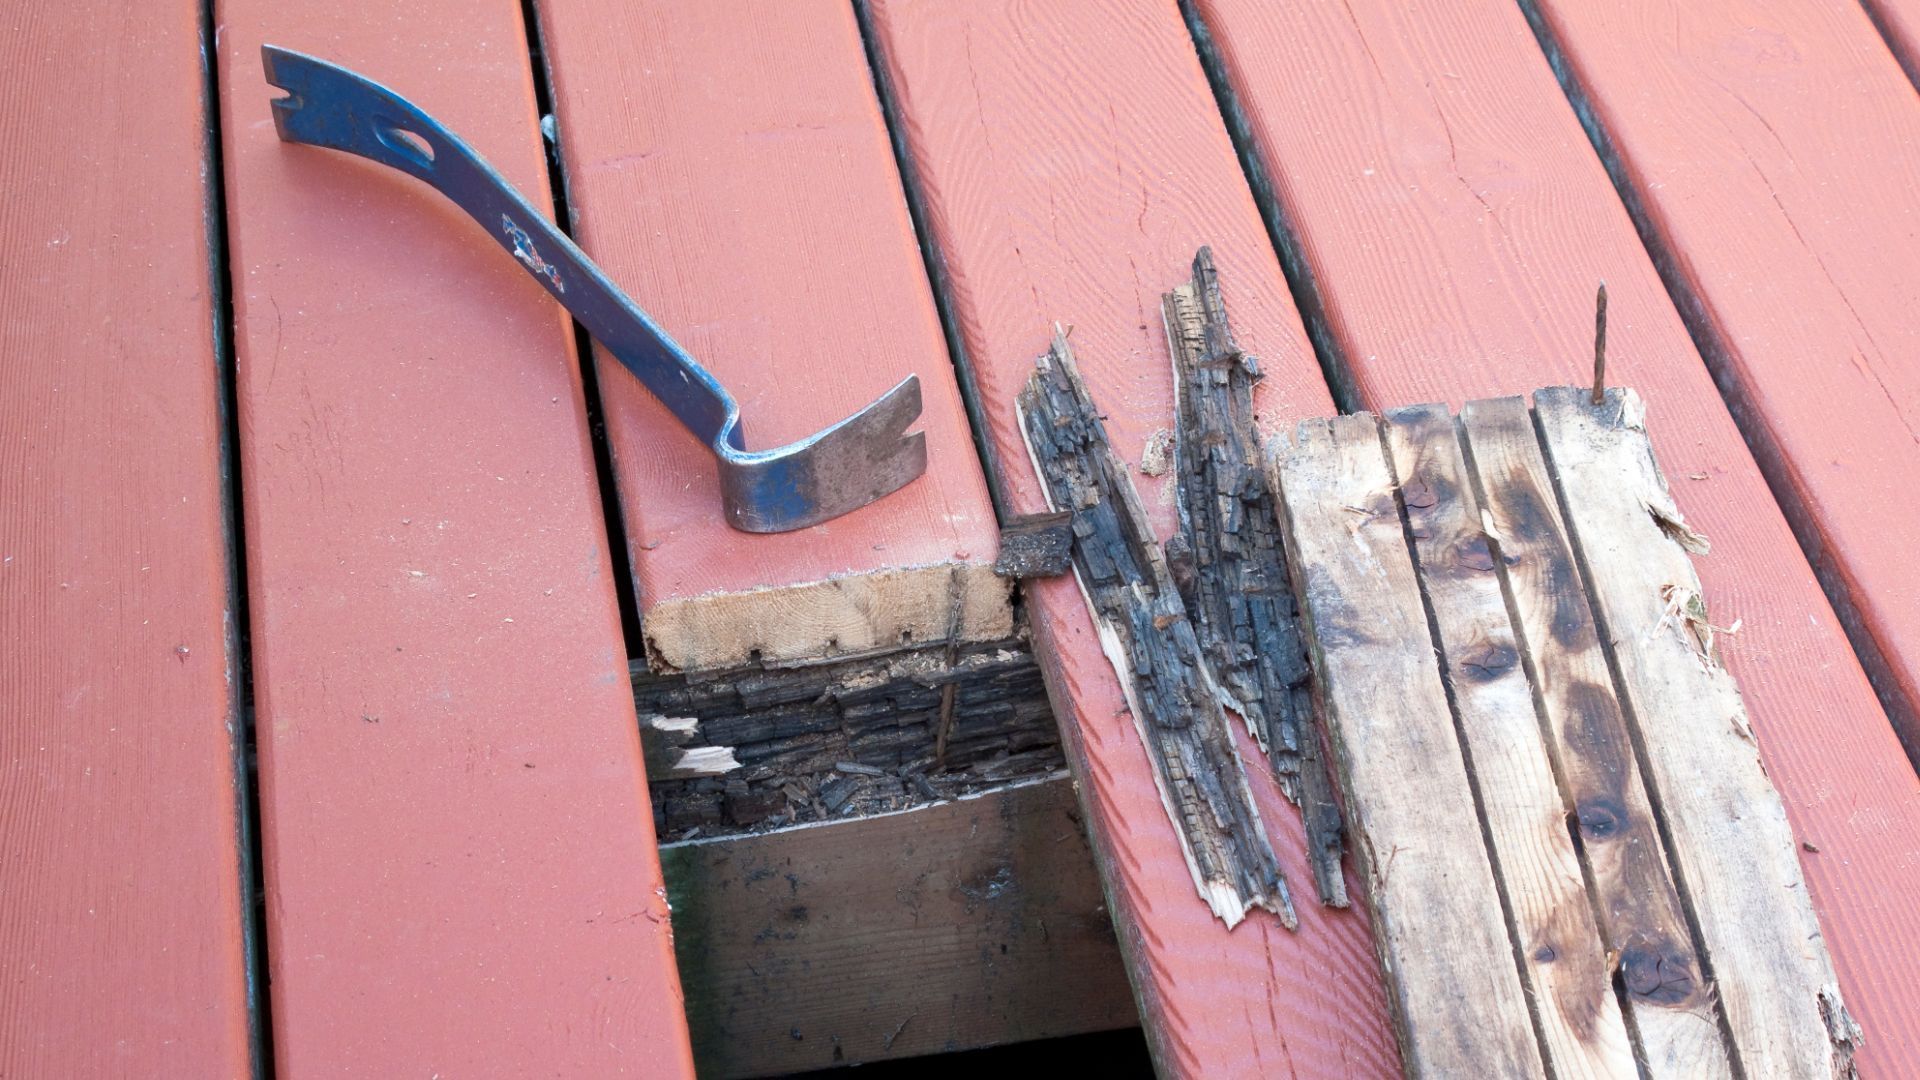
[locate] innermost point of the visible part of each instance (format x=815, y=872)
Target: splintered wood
x=1576, y=863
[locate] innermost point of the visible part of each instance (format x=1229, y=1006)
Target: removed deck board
x=1088, y=211
x=1459, y=1006
x=458, y=844
x=121, y=929
x=1772, y=151
x=948, y=927
x=727, y=164
x=1714, y=953
x=1441, y=201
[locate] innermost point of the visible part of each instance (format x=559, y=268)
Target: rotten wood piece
x=1150, y=641
x=1554, y=930
x=884, y=733
x=964, y=924
x=1642, y=922
x=1229, y=565
x=1459, y=1007
x=1735, y=854
x=1036, y=546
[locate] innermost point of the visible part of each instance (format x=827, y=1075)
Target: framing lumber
x=1562, y=957
x=727, y=163
x=1642, y=922
x=1459, y=1007
x=1435, y=197
x=947, y=927
x=1727, y=830
x=460, y=867
x=1768, y=194
x=122, y=928
x=1087, y=212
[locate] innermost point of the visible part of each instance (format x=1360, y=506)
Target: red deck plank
x=120, y=928
x=1455, y=221
x=1071, y=160
x=1776, y=151
x=461, y=870
x=727, y=163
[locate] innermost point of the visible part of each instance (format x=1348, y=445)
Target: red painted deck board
x=121, y=912
x=728, y=165
x=460, y=865
x=1071, y=160
x=1776, y=150
x=1455, y=222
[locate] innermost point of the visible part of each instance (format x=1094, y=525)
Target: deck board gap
x=1307, y=295
x=239, y=634
x=627, y=588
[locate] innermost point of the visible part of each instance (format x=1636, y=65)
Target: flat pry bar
x=842, y=468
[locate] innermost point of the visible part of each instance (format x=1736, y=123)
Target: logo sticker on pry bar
x=524, y=250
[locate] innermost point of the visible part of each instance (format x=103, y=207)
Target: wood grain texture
x=1085, y=212
x=728, y=165
x=1899, y=24
x=948, y=927
x=1731, y=841
x=1459, y=1006
x=1556, y=938
x=460, y=863
x=1446, y=204
x=120, y=928
x=1644, y=926
x=1773, y=152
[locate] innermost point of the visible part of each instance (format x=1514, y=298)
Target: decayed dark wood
x=853, y=737
x=1458, y=1004
x=1036, y=545
x=1149, y=639
x=1229, y=567
x=963, y=924
x=1645, y=928
x=1556, y=939
x=1735, y=855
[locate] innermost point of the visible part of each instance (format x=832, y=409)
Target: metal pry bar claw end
x=860, y=459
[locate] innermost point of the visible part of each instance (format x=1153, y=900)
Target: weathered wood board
x=727, y=163
x=948, y=927
x=1549, y=682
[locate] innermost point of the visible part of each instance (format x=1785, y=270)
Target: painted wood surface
x=1451, y=221
x=1086, y=212
x=728, y=165
x=947, y=927
x=1773, y=153
x=1899, y=24
x=460, y=865
x=1556, y=936
x=1730, y=838
x=121, y=925
x=1643, y=923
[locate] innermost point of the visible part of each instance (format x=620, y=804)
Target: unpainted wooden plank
x=460, y=867
x=1556, y=938
x=1645, y=928
x=1447, y=219
x=727, y=163
x=1067, y=160
x=1459, y=1006
x=1771, y=152
x=122, y=914
x=948, y=927
x=1730, y=839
